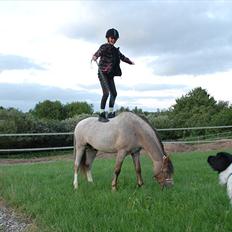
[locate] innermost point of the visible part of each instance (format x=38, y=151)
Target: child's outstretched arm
x=94, y=58
x=125, y=59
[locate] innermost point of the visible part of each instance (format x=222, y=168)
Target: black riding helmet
x=112, y=33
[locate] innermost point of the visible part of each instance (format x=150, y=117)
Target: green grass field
x=44, y=192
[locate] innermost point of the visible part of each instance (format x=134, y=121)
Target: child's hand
x=94, y=58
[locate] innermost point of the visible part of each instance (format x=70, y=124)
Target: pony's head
x=165, y=176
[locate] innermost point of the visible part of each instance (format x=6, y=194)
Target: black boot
x=111, y=114
x=102, y=117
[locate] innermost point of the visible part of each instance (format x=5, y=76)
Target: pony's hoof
x=114, y=189
x=140, y=185
x=75, y=186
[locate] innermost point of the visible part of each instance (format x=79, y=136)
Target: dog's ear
x=224, y=154
x=215, y=163
x=210, y=158
x=227, y=156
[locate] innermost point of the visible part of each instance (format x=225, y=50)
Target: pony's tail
x=83, y=166
x=74, y=146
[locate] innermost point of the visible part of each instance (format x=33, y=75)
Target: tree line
x=196, y=108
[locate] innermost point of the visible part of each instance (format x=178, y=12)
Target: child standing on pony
x=108, y=68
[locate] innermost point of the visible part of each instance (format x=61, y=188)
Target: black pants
x=108, y=87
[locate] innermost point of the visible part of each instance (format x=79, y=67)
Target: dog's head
x=220, y=162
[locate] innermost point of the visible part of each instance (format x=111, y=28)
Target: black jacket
x=110, y=57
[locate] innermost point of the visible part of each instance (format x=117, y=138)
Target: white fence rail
x=35, y=134
x=196, y=140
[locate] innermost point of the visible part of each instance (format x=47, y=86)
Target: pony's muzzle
x=164, y=182
x=168, y=183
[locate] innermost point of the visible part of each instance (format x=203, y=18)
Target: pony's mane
x=155, y=131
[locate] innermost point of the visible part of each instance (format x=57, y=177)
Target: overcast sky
x=46, y=48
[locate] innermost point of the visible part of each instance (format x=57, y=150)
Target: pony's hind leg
x=78, y=156
x=136, y=161
x=90, y=156
x=119, y=160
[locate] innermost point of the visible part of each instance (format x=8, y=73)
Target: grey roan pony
x=125, y=134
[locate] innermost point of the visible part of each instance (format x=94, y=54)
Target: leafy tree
x=123, y=109
x=49, y=110
x=7, y=125
x=160, y=120
x=54, y=110
x=13, y=121
x=137, y=110
x=221, y=105
x=223, y=117
x=75, y=108
x=194, y=109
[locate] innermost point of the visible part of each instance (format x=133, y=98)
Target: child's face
x=112, y=40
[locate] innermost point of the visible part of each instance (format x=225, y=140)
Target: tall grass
x=44, y=191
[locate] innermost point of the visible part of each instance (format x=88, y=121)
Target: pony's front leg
x=79, y=154
x=119, y=160
x=137, y=165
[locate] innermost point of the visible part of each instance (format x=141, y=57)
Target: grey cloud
x=201, y=62
x=11, y=62
x=36, y=92
x=138, y=87
x=135, y=98
x=182, y=34
x=26, y=96
x=152, y=87
x=89, y=86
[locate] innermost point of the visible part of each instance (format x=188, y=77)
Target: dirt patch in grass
x=8, y=161
x=12, y=221
x=219, y=146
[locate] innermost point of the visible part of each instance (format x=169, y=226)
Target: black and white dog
x=222, y=163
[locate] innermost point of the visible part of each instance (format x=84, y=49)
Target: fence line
x=194, y=128
x=35, y=134
x=71, y=147
x=36, y=149
x=196, y=141
x=71, y=133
